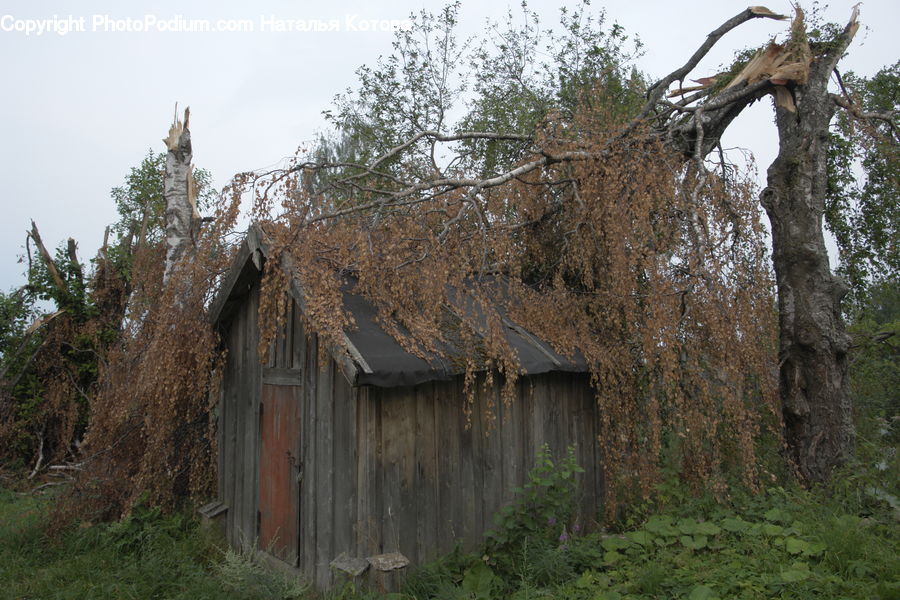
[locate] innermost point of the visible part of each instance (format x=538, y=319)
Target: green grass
x=147, y=555
x=790, y=544
x=782, y=544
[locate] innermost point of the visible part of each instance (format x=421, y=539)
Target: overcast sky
x=79, y=110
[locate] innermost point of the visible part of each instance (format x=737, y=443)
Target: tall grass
x=147, y=555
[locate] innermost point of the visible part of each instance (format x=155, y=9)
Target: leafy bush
x=544, y=507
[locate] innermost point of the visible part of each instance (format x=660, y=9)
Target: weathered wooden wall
x=327, y=445
x=390, y=469
x=239, y=423
x=429, y=477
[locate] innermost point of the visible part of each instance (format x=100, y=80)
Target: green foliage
x=528, y=78
x=516, y=78
x=141, y=206
x=413, y=89
x=875, y=367
x=145, y=555
x=863, y=216
x=785, y=543
x=544, y=507
x=243, y=577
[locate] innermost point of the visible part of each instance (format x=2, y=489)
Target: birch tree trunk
x=813, y=342
x=182, y=218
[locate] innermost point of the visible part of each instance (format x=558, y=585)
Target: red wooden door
x=279, y=469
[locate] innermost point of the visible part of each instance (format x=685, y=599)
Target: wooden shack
x=372, y=453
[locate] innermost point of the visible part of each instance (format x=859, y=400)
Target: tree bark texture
x=813, y=343
x=178, y=191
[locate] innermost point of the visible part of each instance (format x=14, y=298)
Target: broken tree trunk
x=813, y=342
x=48, y=259
x=182, y=218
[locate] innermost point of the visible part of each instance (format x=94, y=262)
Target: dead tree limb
x=40, y=458
x=48, y=259
x=32, y=329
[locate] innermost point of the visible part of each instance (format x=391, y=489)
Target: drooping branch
x=681, y=133
x=409, y=194
x=23, y=344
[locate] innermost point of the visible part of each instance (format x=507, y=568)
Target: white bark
x=182, y=218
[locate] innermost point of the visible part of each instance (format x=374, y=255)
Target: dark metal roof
x=373, y=356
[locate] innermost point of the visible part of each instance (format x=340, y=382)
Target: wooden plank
x=250, y=450
x=278, y=490
x=344, y=464
x=426, y=483
x=448, y=400
x=239, y=535
x=282, y=376
x=346, y=363
x=467, y=491
x=549, y=407
x=325, y=474
x=510, y=426
x=298, y=337
x=376, y=527
x=229, y=289
x=531, y=439
x=360, y=528
x=230, y=418
x=309, y=496
x=491, y=451
x=392, y=448
x=579, y=431
x=221, y=423
x=376, y=480
x=407, y=517
x=599, y=455
x=287, y=348
x=477, y=461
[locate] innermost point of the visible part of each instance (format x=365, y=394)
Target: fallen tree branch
x=43, y=486
x=32, y=329
x=40, y=458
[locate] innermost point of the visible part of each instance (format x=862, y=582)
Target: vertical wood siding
x=390, y=469
x=433, y=478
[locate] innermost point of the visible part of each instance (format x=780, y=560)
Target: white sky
x=78, y=111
